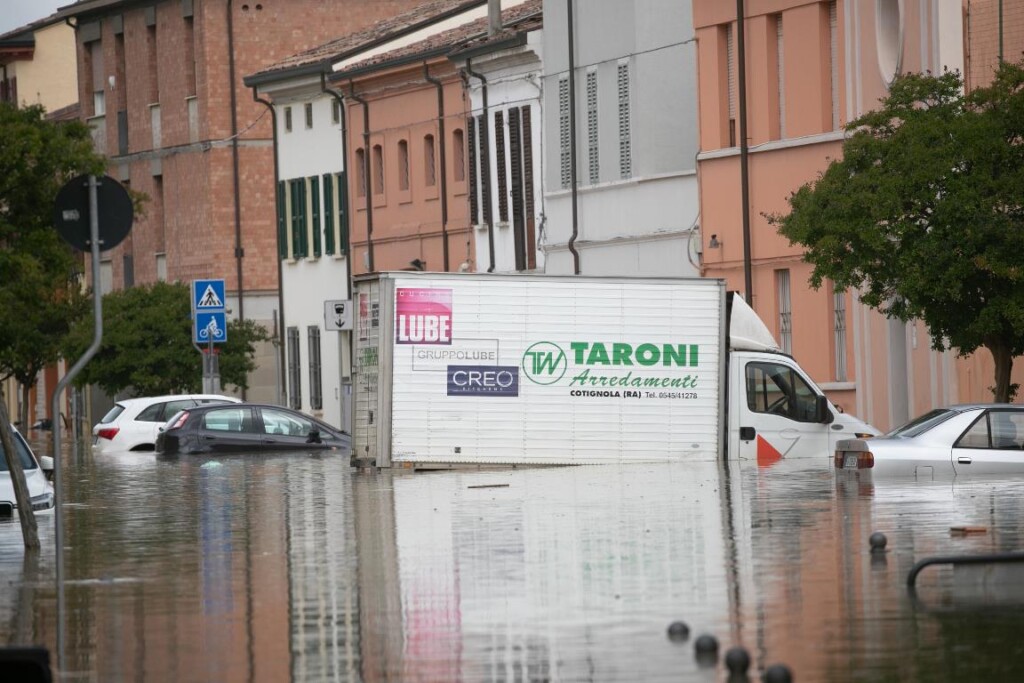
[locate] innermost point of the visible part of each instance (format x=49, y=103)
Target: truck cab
x=775, y=410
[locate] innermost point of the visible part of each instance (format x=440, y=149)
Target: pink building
x=811, y=66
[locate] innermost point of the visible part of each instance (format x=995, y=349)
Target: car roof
x=961, y=407
x=170, y=397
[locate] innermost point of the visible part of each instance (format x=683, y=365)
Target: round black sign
x=71, y=212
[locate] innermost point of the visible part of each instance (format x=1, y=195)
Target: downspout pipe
x=366, y=172
x=572, y=139
x=485, y=139
x=741, y=60
x=239, y=251
x=340, y=99
x=443, y=158
x=282, y=364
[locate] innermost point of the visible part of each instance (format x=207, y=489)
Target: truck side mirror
x=822, y=413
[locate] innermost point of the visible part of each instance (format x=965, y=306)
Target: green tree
x=147, y=344
x=923, y=213
x=39, y=294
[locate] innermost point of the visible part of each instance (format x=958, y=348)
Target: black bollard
x=778, y=673
x=678, y=631
x=877, y=542
x=706, y=644
x=737, y=661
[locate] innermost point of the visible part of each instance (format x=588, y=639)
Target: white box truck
x=508, y=369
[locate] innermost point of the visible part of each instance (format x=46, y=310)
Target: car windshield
x=922, y=424
x=27, y=461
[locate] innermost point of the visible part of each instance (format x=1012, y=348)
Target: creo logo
x=544, y=363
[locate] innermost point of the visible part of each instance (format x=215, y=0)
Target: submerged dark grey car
x=248, y=428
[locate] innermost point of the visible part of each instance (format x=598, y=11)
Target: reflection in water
x=298, y=568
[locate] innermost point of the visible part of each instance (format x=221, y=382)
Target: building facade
x=161, y=85
x=37, y=65
x=631, y=207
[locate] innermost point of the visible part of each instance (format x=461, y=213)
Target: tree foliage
x=39, y=294
x=147, y=348
x=923, y=213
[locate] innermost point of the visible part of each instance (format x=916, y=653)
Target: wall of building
x=407, y=223
x=637, y=200
x=48, y=78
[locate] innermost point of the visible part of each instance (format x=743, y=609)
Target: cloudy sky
x=17, y=13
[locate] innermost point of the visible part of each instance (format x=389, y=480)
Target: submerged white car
x=961, y=440
x=134, y=423
x=40, y=490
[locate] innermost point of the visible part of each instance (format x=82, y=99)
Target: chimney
x=493, y=16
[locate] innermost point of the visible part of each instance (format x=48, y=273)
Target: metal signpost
x=209, y=327
x=95, y=214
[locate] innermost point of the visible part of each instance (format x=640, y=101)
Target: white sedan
x=133, y=423
x=960, y=440
x=40, y=490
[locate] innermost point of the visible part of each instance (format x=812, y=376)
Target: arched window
x=403, y=165
x=378, y=169
x=361, y=172
x=430, y=168
x=459, y=153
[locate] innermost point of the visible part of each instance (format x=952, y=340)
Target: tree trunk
x=29, y=530
x=1004, y=365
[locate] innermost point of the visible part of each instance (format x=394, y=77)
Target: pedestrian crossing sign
x=207, y=295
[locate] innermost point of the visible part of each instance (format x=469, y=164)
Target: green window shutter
x=282, y=221
x=297, y=208
x=301, y=220
x=343, y=227
x=314, y=188
x=328, y=213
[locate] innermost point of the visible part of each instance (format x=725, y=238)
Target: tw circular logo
x=544, y=363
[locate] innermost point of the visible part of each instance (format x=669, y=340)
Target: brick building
x=161, y=85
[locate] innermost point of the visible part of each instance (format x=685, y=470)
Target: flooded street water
x=298, y=568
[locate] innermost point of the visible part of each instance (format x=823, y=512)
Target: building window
x=161, y=267
x=335, y=111
x=564, y=142
x=785, y=310
x=299, y=218
x=128, y=270
x=309, y=114
x=154, y=62
x=780, y=75
x=833, y=49
x=403, y=165
x=499, y=157
x=316, y=399
x=839, y=330
x=360, y=170
x=314, y=205
x=287, y=119
x=730, y=81
x=294, y=369
x=625, y=131
x=99, y=101
x=459, y=154
x=282, y=219
x=378, y=169
x=190, y=57
x=593, y=141
x=485, y=170
x=522, y=223
x=429, y=165
x=106, y=276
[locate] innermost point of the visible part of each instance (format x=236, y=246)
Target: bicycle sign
x=210, y=327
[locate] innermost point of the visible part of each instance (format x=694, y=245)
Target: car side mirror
x=46, y=464
x=822, y=413
x=314, y=436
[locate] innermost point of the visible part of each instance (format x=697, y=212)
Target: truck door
x=780, y=413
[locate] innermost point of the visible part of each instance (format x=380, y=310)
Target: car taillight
x=108, y=433
x=854, y=460
x=180, y=421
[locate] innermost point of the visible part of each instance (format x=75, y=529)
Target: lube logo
x=545, y=363
x=423, y=315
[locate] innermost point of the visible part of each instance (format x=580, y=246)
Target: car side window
x=778, y=389
x=280, y=422
x=235, y=420
x=995, y=429
x=172, y=407
x=152, y=414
